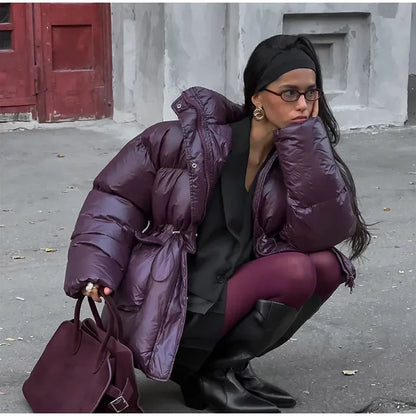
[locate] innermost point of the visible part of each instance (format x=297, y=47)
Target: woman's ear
x=256, y=100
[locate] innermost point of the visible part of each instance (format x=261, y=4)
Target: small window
x=4, y=12
x=5, y=39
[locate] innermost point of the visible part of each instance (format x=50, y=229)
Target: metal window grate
x=4, y=12
x=5, y=39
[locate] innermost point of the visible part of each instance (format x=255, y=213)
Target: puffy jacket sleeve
x=118, y=206
x=319, y=211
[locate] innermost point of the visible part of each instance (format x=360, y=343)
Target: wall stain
x=388, y=10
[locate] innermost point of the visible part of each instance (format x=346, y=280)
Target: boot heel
x=193, y=397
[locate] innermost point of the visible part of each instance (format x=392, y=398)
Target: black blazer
x=224, y=243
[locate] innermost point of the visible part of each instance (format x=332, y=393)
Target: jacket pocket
x=166, y=261
x=152, y=261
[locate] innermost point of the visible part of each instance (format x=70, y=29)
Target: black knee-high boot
x=304, y=314
x=263, y=389
x=255, y=384
x=226, y=382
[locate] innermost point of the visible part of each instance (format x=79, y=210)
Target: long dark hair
x=256, y=65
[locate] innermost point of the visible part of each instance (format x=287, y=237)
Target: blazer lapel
x=234, y=194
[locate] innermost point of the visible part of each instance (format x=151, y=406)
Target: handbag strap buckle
x=119, y=404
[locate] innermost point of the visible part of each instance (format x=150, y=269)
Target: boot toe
x=227, y=395
x=271, y=393
x=279, y=400
x=263, y=389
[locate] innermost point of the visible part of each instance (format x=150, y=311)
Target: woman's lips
x=299, y=119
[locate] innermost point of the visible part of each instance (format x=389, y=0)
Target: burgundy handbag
x=84, y=368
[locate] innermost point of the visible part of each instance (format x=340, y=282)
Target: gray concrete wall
x=411, y=98
x=124, y=68
x=138, y=61
x=195, y=49
x=412, y=57
x=364, y=50
x=150, y=52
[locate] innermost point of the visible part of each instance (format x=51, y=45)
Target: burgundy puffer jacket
x=140, y=220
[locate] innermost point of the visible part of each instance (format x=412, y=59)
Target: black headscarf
x=282, y=62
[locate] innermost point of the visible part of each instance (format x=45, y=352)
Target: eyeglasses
x=293, y=95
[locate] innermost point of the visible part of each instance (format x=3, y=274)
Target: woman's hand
x=315, y=109
x=93, y=292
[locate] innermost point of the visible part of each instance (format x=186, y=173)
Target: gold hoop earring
x=258, y=113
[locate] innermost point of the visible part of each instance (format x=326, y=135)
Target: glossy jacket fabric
x=140, y=219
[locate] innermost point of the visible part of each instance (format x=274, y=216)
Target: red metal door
x=73, y=44
x=17, y=71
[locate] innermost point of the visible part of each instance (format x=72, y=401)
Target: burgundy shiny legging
x=290, y=278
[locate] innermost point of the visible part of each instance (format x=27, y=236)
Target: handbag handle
x=96, y=315
x=114, y=329
x=112, y=307
x=114, y=315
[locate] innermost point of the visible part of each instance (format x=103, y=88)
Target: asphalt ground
x=46, y=174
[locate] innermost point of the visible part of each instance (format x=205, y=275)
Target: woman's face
x=280, y=113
